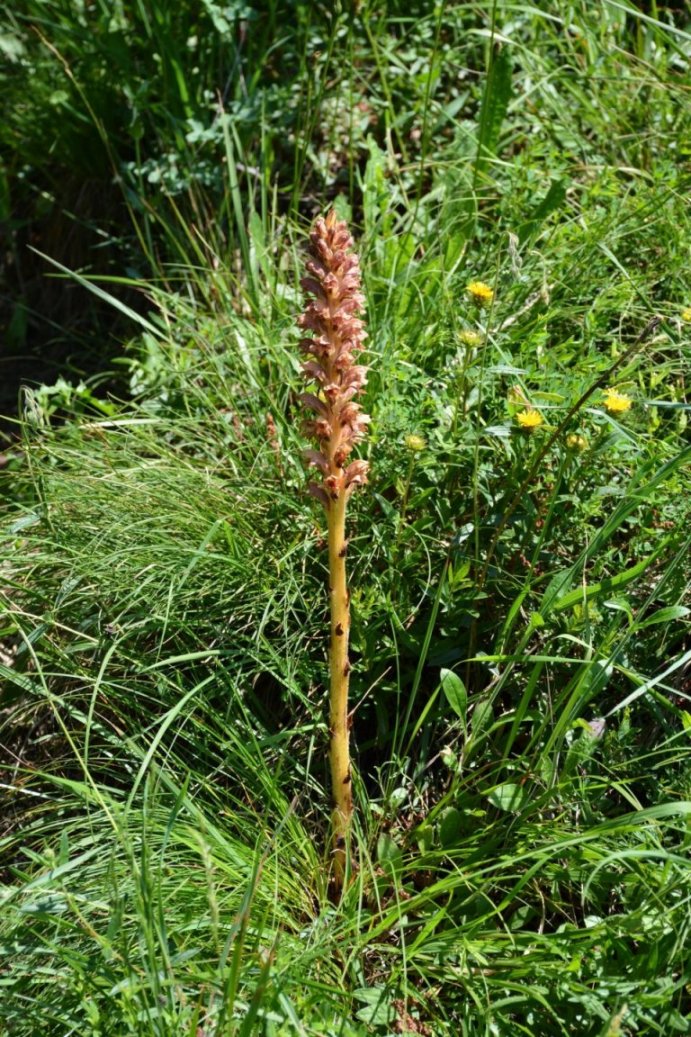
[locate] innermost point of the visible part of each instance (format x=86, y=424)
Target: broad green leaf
x=389, y=852
x=377, y=1010
x=508, y=796
x=450, y=826
x=456, y=694
x=424, y=835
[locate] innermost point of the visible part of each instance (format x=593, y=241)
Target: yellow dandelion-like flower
x=617, y=402
x=415, y=443
x=574, y=441
x=480, y=292
x=686, y=315
x=530, y=418
x=469, y=337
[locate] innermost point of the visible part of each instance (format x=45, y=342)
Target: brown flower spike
x=337, y=335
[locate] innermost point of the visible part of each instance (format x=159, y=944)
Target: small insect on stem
x=334, y=336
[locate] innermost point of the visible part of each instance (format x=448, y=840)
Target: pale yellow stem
x=339, y=752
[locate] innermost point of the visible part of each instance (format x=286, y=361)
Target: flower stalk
x=335, y=335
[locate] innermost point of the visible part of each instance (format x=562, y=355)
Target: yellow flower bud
x=469, y=337
x=415, y=443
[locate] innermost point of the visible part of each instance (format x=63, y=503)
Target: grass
x=519, y=605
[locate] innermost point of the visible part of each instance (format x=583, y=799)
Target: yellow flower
x=617, y=402
x=469, y=337
x=415, y=443
x=576, y=442
x=686, y=315
x=480, y=292
x=530, y=418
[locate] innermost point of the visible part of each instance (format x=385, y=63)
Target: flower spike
x=332, y=315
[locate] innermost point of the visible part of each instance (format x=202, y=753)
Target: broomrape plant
x=336, y=335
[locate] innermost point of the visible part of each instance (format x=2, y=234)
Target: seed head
x=336, y=336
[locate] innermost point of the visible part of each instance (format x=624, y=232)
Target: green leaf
x=389, y=852
x=482, y=718
x=665, y=615
x=375, y=188
x=585, y=593
x=456, y=694
x=11, y=47
x=5, y=205
x=450, y=826
x=24, y=522
x=547, y=397
x=259, y=249
x=377, y=1010
x=553, y=200
x=508, y=796
x=495, y=105
x=127, y=311
x=424, y=835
